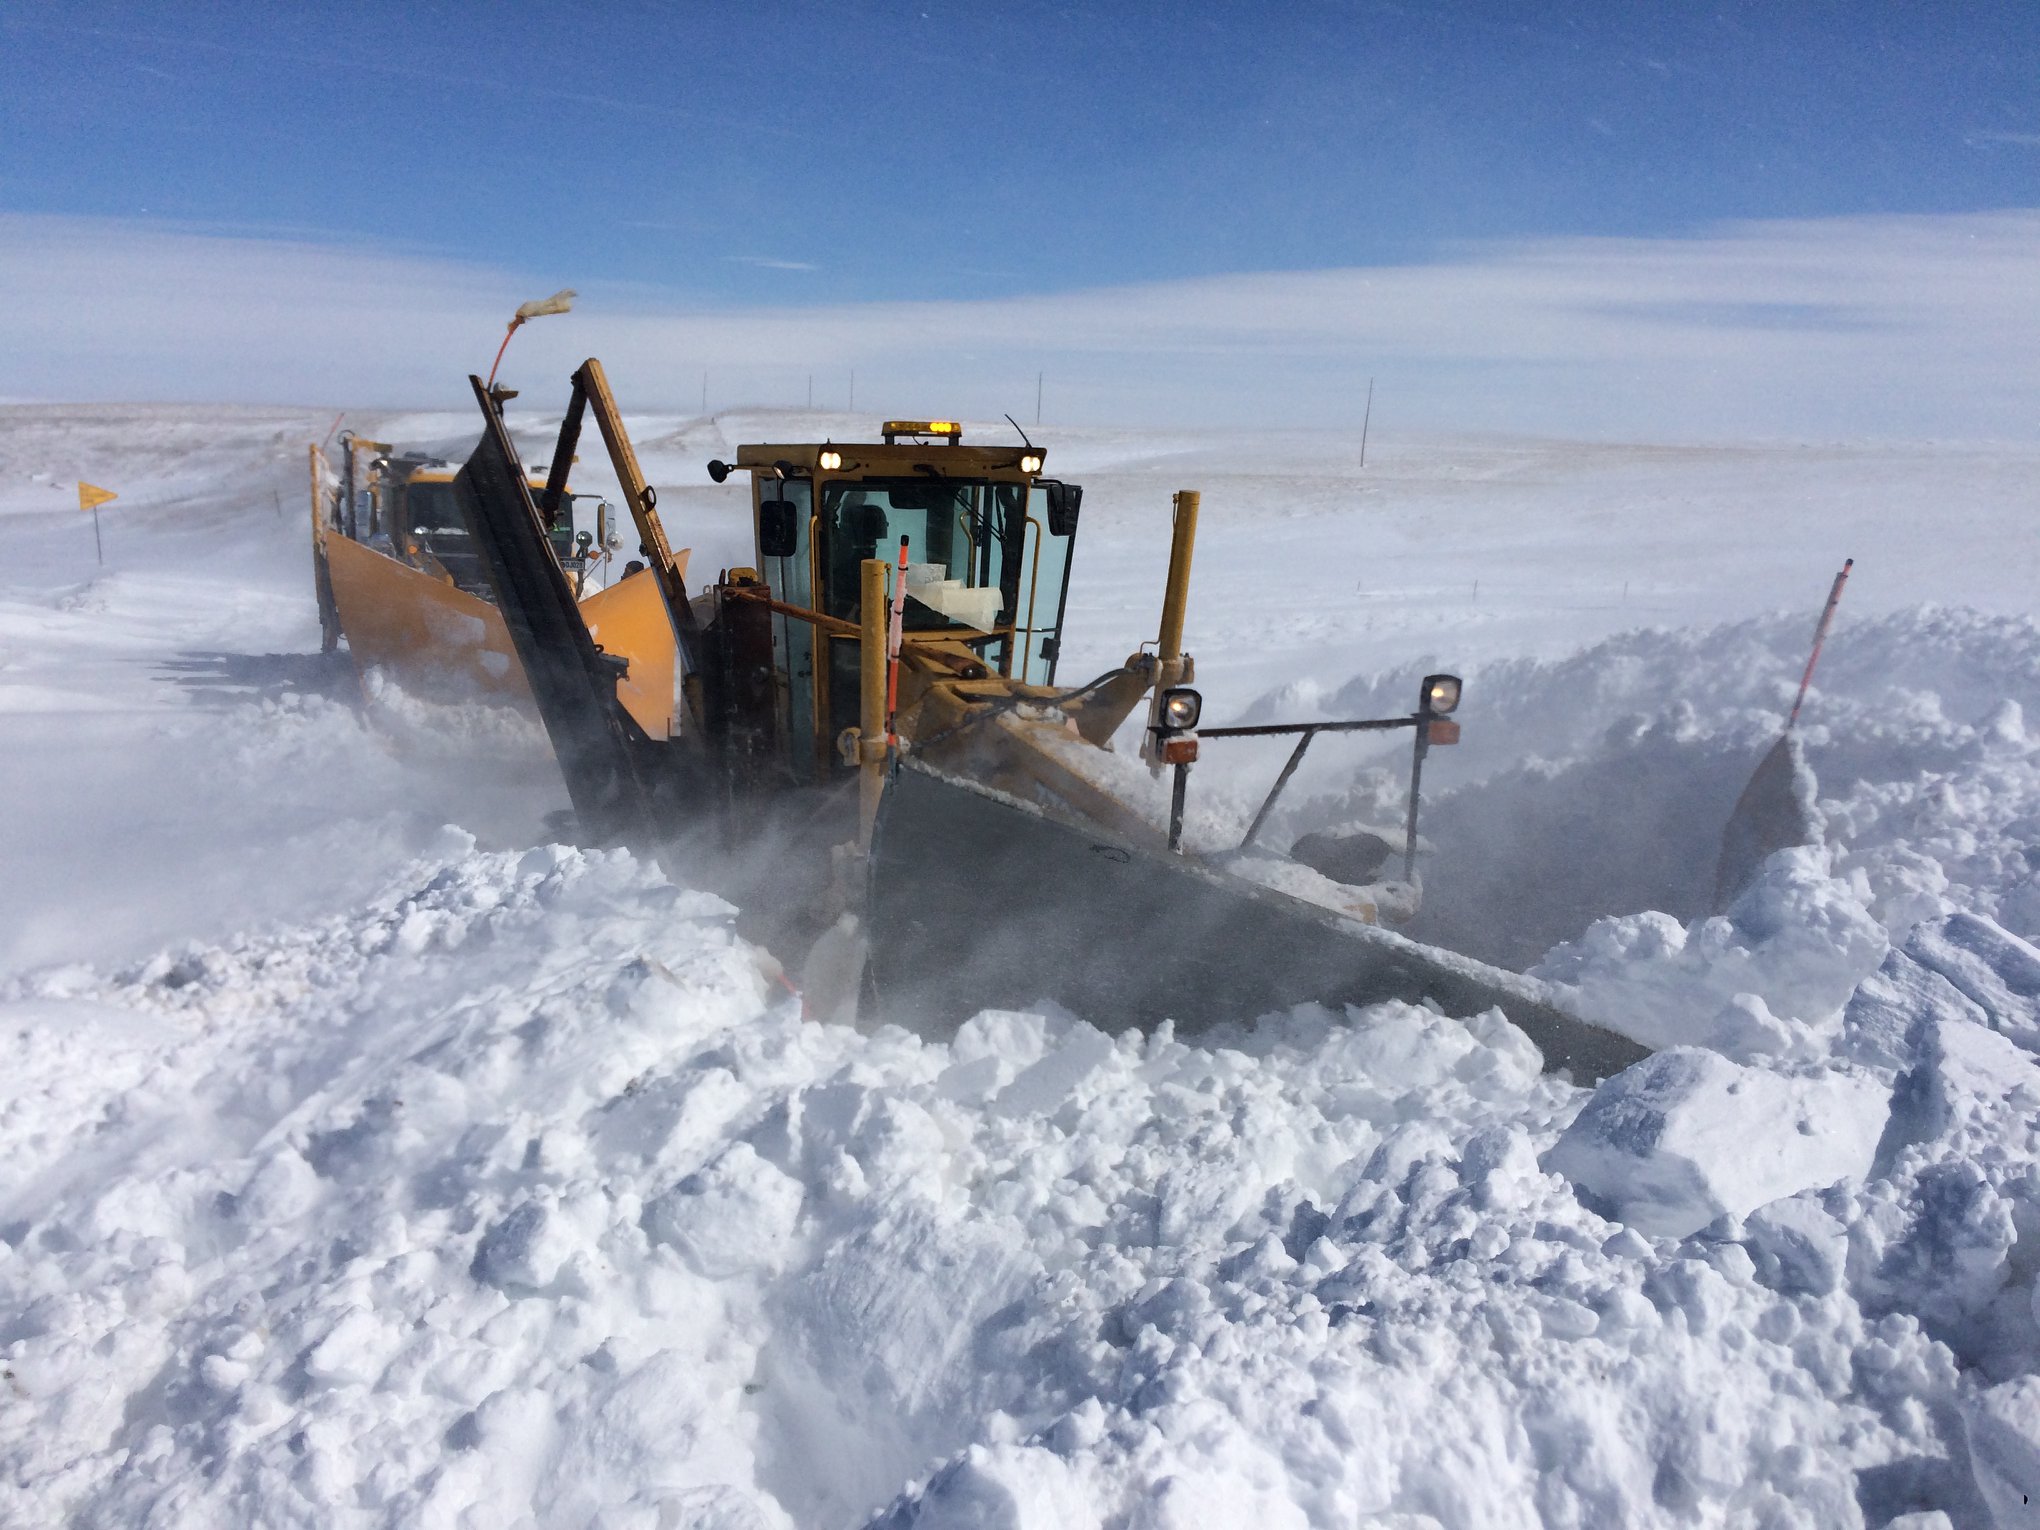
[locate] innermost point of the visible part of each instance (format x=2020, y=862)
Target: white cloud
x=1904, y=327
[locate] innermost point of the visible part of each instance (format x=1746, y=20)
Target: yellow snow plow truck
x=872, y=733
x=399, y=580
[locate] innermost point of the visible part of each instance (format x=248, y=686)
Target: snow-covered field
x=370, y=1160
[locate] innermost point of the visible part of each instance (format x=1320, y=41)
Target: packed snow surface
x=370, y=1159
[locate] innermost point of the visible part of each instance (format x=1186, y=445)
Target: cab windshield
x=964, y=540
x=434, y=511
x=437, y=527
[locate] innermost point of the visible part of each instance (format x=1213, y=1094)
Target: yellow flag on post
x=91, y=497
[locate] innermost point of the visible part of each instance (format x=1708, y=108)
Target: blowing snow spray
x=1777, y=809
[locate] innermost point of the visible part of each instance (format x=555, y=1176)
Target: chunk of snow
x=2003, y=1424
x=1797, y=1246
x=1993, y=968
x=1967, y=1077
x=1884, y=1021
x=996, y=1487
x=524, y=1249
x=735, y=1216
x=1687, y=1135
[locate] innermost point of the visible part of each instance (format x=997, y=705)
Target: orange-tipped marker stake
x=1778, y=808
x=1827, y=617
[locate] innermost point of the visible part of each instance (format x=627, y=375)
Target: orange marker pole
x=1827, y=617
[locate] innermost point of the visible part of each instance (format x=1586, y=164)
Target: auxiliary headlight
x=1181, y=707
x=1440, y=694
x=830, y=461
x=1030, y=463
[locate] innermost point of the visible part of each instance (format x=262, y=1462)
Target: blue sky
x=829, y=153
x=1802, y=217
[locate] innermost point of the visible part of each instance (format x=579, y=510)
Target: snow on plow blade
x=980, y=901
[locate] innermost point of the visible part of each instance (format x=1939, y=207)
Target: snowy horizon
x=1861, y=328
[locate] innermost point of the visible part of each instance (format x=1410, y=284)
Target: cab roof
x=446, y=472
x=904, y=459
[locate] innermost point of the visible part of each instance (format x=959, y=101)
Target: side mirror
x=718, y=470
x=778, y=528
x=1064, y=500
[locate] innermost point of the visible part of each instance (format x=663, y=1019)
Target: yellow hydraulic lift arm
x=591, y=383
x=591, y=388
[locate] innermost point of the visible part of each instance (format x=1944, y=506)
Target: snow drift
x=445, y=1177
x=525, y=1191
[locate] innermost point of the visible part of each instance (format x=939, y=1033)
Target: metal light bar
x=1309, y=732
x=952, y=430
x=1440, y=695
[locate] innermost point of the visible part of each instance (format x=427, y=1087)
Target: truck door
x=1044, y=579
x=793, y=640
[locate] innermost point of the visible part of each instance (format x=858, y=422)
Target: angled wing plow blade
x=977, y=901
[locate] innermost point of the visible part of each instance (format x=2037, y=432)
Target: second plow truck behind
x=868, y=727
x=398, y=578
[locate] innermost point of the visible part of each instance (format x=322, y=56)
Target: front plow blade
x=979, y=901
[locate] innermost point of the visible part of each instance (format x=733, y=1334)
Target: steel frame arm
x=1309, y=732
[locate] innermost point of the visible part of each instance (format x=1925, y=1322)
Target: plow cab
x=424, y=529
x=985, y=544
x=415, y=519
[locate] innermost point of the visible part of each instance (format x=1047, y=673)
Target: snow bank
x=524, y=1192
x=1598, y=784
